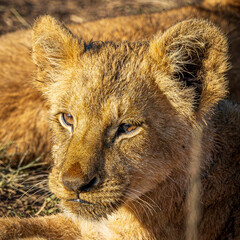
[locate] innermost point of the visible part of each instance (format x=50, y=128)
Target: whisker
x=35, y=186
x=143, y=194
x=135, y=210
x=142, y=205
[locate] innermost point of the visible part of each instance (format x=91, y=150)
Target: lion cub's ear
x=189, y=62
x=54, y=49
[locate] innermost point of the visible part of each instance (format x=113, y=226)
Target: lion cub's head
x=122, y=113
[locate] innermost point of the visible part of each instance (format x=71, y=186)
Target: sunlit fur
x=170, y=87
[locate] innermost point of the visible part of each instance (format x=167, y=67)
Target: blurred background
x=16, y=14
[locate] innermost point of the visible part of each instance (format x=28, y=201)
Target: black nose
x=78, y=185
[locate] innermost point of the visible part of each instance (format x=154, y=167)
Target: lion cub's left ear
x=54, y=49
x=189, y=62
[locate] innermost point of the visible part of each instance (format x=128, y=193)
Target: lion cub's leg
x=54, y=227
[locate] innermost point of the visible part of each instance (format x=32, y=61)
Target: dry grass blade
x=20, y=18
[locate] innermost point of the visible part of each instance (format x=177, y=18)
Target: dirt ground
x=23, y=189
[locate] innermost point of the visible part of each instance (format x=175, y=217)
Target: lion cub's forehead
x=109, y=75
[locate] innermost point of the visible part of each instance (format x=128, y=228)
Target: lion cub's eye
x=126, y=128
x=66, y=120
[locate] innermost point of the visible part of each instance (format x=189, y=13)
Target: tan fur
x=170, y=87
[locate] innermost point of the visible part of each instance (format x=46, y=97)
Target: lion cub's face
x=118, y=129
x=111, y=129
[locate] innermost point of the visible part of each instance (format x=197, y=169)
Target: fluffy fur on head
x=194, y=59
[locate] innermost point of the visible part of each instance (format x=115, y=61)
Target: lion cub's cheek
x=153, y=160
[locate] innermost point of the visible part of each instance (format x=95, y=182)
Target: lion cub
x=123, y=122
x=127, y=121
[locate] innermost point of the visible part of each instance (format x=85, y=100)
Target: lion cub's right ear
x=54, y=49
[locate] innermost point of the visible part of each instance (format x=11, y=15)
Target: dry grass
x=23, y=188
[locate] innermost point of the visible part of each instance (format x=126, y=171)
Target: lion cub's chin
x=91, y=211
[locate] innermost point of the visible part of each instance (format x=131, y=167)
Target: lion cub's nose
x=74, y=180
x=78, y=185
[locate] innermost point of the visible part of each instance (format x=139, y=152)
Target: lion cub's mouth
x=79, y=200
x=91, y=210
